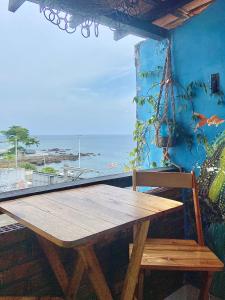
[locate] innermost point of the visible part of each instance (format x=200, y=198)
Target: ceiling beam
x=119, y=34
x=167, y=7
x=133, y=25
x=15, y=4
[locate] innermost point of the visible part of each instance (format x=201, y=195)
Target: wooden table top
x=72, y=217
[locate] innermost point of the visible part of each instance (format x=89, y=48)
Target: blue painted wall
x=198, y=50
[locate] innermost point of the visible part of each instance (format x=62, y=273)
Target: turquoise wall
x=198, y=50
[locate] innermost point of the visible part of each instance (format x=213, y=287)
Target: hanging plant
x=160, y=126
x=165, y=103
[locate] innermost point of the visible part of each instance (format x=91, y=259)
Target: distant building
x=12, y=179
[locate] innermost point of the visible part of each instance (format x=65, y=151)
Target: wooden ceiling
x=182, y=14
x=151, y=18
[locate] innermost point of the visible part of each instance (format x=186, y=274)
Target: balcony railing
x=122, y=180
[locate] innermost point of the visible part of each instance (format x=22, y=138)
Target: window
x=66, y=110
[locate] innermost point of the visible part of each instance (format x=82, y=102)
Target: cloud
x=52, y=82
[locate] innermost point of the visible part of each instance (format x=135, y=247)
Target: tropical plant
x=161, y=102
x=21, y=136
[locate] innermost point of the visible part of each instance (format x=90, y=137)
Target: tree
x=20, y=135
x=49, y=170
x=28, y=166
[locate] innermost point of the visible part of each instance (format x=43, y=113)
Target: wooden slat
x=159, y=179
x=69, y=218
x=178, y=256
x=171, y=242
x=153, y=203
x=46, y=225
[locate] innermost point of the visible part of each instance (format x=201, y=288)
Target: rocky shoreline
x=40, y=160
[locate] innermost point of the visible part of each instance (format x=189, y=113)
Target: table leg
x=76, y=278
x=94, y=272
x=86, y=261
x=135, y=261
x=55, y=262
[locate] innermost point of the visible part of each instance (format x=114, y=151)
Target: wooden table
x=79, y=218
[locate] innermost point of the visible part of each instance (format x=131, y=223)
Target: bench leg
x=207, y=280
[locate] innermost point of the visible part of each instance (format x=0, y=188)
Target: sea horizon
x=110, y=151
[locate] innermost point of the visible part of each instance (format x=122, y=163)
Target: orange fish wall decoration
x=213, y=120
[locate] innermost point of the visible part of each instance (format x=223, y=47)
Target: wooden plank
x=119, y=201
x=69, y=218
x=165, y=8
x=55, y=263
x=75, y=217
x=46, y=225
x=90, y=205
x=135, y=261
x=178, y=257
x=150, y=202
x=95, y=273
x=171, y=242
x=170, y=180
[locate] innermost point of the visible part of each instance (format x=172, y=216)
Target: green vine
x=190, y=92
x=147, y=131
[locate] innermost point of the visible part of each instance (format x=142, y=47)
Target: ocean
x=111, y=151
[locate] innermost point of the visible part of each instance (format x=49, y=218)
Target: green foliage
x=191, y=89
x=154, y=164
x=28, y=166
x=220, y=97
x=8, y=156
x=20, y=135
x=152, y=73
x=49, y=170
x=145, y=128
x=182, y=134
x=216, y=241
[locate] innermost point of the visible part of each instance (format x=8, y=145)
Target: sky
x=55, y=83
